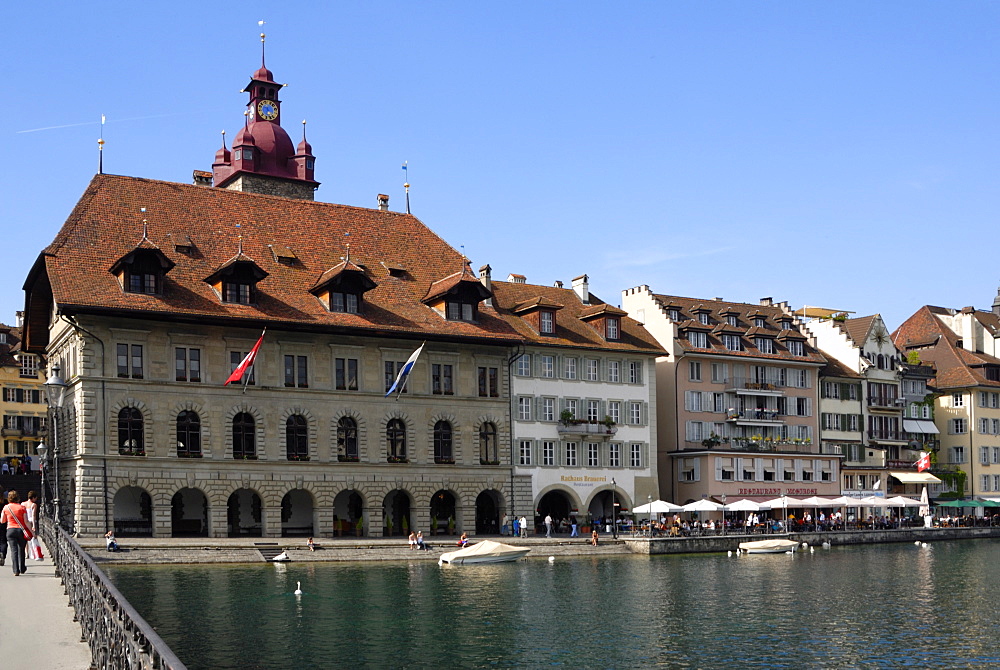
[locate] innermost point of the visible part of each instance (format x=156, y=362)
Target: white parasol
x=658, y=507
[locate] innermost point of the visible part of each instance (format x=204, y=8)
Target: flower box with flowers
x=396, y=459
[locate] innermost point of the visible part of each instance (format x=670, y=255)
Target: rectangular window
x=615, y=411
x=296, y=372
x=489, y=383
x=635, y=413
x=957, y=400
x=611, y=328
x=796, y=348
x=732, y=342
x=569, y=368
x=524, y=453
x=635, y=455
x=984, y=426
x=524, y=409
x=958, y=427
x=29, y=366
x=592, y=368
x=442, y=379
x=614, y=455
x=524, y=365
x=593, y=411
x=593, y=455
x=614, y=371
x=634, y=372
x=548, y=453
x=392, y=369
x=718, y=373
x=346, y=371
x=984, y=482
x=548, y=409
x=546, y=322
x=692, y=401
x=697, y=339
x=718, y=402
x=548, y=366
x=984, y=455
x=765, y=345
x=235, y=293
x=957, y=455
x=129, y=361
x=694, y=371
x=571, y=407
x=571, y=454
x=188, y=364
x=235, y=358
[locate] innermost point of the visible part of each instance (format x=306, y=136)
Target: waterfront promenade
x=36, y=623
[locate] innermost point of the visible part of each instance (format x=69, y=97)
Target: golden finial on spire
x=262, y=36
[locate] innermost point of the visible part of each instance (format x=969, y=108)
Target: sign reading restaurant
x=777, y=492
x=573, y=478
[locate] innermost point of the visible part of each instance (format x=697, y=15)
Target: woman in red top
x=16, y=518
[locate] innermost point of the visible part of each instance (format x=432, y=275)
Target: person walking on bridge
x=18, y=531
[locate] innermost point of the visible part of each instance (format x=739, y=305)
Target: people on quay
x=110, y=542
x=18, y=532
x=413, y=540
x=524, y=526
x=517, y=526
x=421, y=545
x=34, y=546
x=548, y=525
x=311, y=544
x=505, y=525
x=573, y=527
x=594, y=537
x=462, y=541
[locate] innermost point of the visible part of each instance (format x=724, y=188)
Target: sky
x=834, y=154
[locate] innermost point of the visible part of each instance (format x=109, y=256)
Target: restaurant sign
x=777, y=492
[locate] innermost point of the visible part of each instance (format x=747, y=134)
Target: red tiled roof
x=571, y=330
x=937, y=345
x=97, y=231
x=857, y=329
x=772, y=314
x=534, y=303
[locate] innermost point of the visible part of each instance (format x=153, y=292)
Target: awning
x=915, y=477
x=918, y=426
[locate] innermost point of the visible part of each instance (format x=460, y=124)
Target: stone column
x=270, y=518
x=218, y=520
x=323, y=526
x=162, y=524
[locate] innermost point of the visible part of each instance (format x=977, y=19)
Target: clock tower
x=263, y=159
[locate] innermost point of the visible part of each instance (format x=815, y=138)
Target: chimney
x=383, y=202
x=202, y=178
x=19, y=315
x=996, y=303
x=486, y=278
x=558, y=284
x=766, y=302
x=516, y=279
x=581, y=285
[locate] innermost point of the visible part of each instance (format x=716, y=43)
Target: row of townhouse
x=22, y=404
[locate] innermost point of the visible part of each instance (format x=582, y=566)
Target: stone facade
x=267, y=185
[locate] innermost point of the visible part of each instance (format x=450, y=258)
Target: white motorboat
x=486, y=551
x=778, y=546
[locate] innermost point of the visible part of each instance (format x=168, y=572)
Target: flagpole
x=253, y=364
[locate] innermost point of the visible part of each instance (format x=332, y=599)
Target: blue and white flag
x=404, y=372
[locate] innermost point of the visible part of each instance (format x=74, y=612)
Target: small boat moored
x=486, y=551
x=778, y=546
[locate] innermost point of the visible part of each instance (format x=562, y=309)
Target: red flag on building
x=246, y=363
x=924, y=462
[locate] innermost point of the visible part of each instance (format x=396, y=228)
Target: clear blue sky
x=841, y=154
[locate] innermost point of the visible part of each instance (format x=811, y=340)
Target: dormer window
x=139, y=281
x=760, y=322
x=732, y=342
x=697, y=339
x=344, y=302
x=731, y=320
x=461, y=311
x=546, y=322
x=703, y=318
x=612, y=325
x=674, y=314
x=142, y=271
x=796, y=348
x=764, y=344
x=236, y=292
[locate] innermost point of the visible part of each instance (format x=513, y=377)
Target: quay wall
x=720, y=543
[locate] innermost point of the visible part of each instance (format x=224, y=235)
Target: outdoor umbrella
x=657, y=507
x=703, y=505
x=783, y=503
x=746, y=506
x=816, y=501
x=901, y=501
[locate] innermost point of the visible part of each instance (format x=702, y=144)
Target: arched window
x=442, y=443
x=130, y=432
x=244, y=436
x=188, y=435
x=395, y=434
x=297, y=438
x=488, y=444
x=347, y=440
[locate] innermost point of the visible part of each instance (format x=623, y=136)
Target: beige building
x=147, y=326
x=23, y=402
x=737, y=399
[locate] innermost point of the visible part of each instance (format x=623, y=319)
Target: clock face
x=268, y=110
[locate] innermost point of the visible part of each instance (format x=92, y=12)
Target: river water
x=881, y=606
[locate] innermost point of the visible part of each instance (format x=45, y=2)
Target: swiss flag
x=924, y=462
x=246, y=363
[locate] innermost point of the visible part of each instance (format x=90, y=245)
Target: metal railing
x=118, y=637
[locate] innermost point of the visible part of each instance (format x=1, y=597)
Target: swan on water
x=298, y=588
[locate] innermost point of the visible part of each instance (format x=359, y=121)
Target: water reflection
x=888, y=606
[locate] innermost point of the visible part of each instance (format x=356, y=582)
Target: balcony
x=584, y=428
x=746, y=386
x=758, y=416
x=887, y=435
x=885, y=402
x=10, y=432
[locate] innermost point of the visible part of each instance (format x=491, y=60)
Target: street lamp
x=723, y=513
x=41, y=450
x=614, y=512
x=55, y=394
x=649, y=501
x=784, y=507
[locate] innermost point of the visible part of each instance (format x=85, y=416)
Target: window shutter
x=645, y=413
x=689, y=431
x=718, y=469
x=798, y=470
x=758, y=469
x=697, y=469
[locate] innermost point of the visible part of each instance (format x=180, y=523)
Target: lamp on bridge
x=55, y=395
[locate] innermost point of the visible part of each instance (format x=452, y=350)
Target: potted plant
x=406, y=525
x=451, y=525
x=567, y=417
x=434, y=525
x=388, y=525
x=360, y=526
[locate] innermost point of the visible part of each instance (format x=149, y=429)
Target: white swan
x=298, y=588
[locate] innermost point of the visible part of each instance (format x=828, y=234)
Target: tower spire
x=262, y=37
